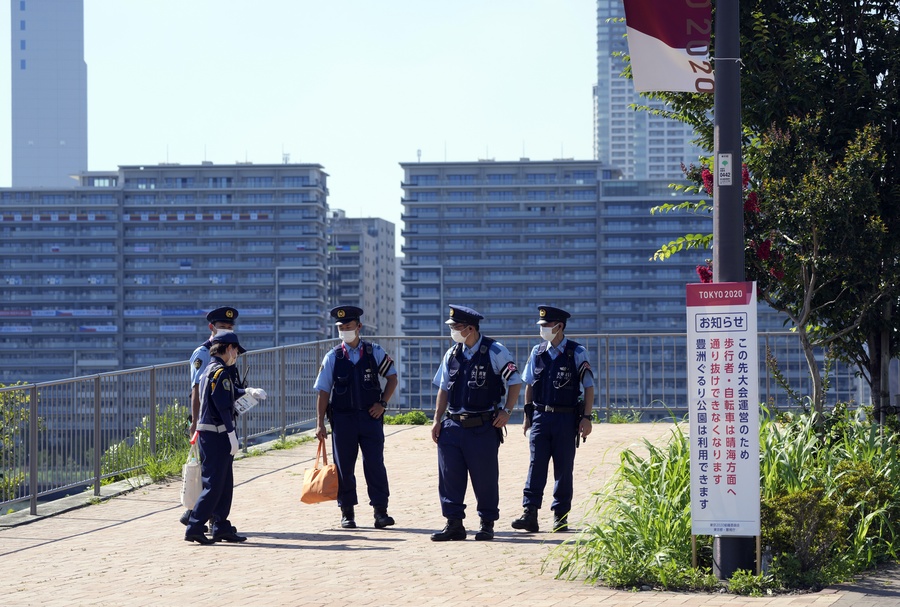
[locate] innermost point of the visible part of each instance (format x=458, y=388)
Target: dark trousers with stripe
x=552, y=437
x=351, y=433
x=465, y=453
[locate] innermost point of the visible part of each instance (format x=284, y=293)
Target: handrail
x=81, y=431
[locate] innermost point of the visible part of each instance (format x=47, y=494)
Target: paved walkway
x=129, y=550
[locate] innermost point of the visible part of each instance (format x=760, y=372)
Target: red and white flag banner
x=668, y=41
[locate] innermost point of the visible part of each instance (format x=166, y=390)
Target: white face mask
x=548, y=333
x=457, y=336
x=348, y=337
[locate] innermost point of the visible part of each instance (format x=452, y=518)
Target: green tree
x=14, y=415
x=820, y=94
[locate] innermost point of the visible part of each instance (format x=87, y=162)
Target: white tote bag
x=192, y=478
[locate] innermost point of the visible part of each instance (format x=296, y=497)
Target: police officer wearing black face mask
x=472, y=379
x=349, y=392
x=554, y=374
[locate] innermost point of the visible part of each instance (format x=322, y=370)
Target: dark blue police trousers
x=468, y=453
x=352, y=432
x=552, y=437
x=217, y=470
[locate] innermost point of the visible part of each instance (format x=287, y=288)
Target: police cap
x=228, y=337
x=463, y=316
x=549, y=314
x=345, y=314
x=223, y=314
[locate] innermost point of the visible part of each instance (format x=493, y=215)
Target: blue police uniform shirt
x=500, y=359
x=325, y=378
x=587, y=379
x=217, y=396
x=199, y=361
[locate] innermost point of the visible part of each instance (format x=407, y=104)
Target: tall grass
x=830, y=498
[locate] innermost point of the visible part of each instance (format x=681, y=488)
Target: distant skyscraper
x=362, y=268
x=49, y=92
x=642, y=145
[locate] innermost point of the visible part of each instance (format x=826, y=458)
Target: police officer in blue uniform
x=349, y=392
x=218, y=443
x=474, y=375
x=557, y=416
x=220, y=319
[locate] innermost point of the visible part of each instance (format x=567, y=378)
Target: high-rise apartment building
x=362, y=269
x=502, y=237
x=49, y=93
x=119, y=271
x=640, y=144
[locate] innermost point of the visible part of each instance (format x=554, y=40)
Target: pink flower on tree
x=751, y=204
x=705, y=273
x=707, y=177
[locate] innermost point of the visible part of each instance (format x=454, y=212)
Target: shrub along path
x=129, y=550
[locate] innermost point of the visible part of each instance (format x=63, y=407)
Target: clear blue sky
x=354, y=85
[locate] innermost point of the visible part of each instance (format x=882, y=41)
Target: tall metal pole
x=728, y=216
x=728, y=208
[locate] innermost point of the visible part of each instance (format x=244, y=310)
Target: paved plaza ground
x=129, y=550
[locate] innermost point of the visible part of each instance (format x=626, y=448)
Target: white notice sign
x=723, y=405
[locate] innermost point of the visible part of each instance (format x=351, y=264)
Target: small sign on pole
x=723, y=405
x=724, y=170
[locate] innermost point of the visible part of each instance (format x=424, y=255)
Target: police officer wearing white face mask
x=349, y=392
x=474, y=375
x=220, y=319
x=556, y=371
x=218, y=442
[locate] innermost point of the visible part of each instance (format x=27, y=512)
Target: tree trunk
x=818, y=391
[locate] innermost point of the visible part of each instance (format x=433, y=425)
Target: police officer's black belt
x=471, y=420
x=551, y=409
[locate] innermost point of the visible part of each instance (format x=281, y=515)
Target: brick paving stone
x=129, y=551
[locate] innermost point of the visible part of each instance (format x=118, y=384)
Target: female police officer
x=218, y=442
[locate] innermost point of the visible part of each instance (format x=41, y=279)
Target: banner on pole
x=723, y=405
x=668, y=41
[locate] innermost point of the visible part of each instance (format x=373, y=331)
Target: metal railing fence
x=72, y=433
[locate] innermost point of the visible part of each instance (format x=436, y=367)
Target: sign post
x=723, y=405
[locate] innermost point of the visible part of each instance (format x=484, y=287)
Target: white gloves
x=232, y=438
x=257, y=393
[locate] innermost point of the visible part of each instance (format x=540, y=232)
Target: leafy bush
x=830, y=490
x=14, y=416
x=134, y=453
x=410, y=418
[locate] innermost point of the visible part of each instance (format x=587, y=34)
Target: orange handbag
x=320, y=483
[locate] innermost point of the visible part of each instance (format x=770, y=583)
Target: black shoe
x=382, y=519
x=560, y=522
x=528, y=521
x=186, y=520
x=453, y=531
x=200, y=538
x=486, y=533
x=348, y=519
x=229, y=536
